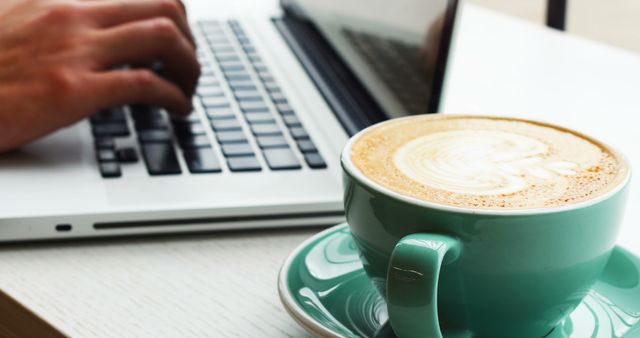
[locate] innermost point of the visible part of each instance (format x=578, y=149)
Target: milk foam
x=480, y=162
x=485, y=162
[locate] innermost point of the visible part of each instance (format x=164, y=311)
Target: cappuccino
x=486, y=162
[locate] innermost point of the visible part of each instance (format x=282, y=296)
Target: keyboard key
x=272, y=87
x=202, y=160
x=265, y=129
x=149, y=124
x=160, y=159
x=106, y=155
x=221, y=48
x=237, y=76
x=232, y=67
x=191, y=118
x=110, y=129
x=299, y=133
x=248, y=95
x=253, y=106
x=291, y=121
x=127, y=155
x=259, y=118
x=226, y=125
x=244, y=163
x=104, y=143
x=150, y=136
x=306, y=146
x=215, y=102
x=110, y=169
x=278, y=97
x=208, y=81
x=220, y=113
x=237, y=149
x=188, y=129
x=194, y=141
x=210, y=92
x=231, y=137
x=242, y=85
x=227, y=57
x=272, y=142
x=283, y=107
x=109, y=115
x=281, y=159
x=315, y=161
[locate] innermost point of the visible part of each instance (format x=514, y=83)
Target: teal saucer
x=323, y=286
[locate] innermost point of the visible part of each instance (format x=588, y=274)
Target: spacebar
x=160, y=159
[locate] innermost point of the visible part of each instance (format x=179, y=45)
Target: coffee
x=485, y=162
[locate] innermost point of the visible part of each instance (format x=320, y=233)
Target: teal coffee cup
x=489, y=273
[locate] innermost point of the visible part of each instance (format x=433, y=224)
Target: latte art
x=479, y=162
x=485, y=162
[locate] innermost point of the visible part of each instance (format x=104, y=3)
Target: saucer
x=324, y=288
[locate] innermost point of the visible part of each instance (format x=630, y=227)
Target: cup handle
x=412, y=283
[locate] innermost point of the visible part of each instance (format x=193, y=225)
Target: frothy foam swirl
x=477, y=162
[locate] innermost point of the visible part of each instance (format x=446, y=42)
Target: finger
x=144, y=42
x=117, y=12
x=140, y=86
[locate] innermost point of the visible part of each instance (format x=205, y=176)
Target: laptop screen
x=398, y=49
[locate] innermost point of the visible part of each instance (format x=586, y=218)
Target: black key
x=248, y=95
x=299, y=133
x=278, y=97
x=253, y=106
x=272, y=142
x=160, y=159
x=106, y=155
x=231, y=137
x=237, y=149
x=127, y=155
x=110, y=129
x=244, y=163
x=265, y=129
x=226, y=125
x=306, y=146
x=140, y=113
x=110, y=169
x=315, y=161
x=104, y=143
x=109, y=115
x=242, y=85
x=210, y=92
x=291, y=121
x=150, y=136
x=149, y=124
x=215, y=102
x=281, y=159
x=253, y=118
x=202, y=160
x=220, y=113
x=194, y=141
x=191, y=118
x=188, y=129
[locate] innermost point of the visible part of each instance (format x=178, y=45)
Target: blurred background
x=615, y=22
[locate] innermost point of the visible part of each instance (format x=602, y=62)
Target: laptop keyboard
x=247, y=125
x=399, y=65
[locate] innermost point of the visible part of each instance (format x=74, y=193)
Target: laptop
x=283, y=87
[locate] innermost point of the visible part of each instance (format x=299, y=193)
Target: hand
x=62, y=60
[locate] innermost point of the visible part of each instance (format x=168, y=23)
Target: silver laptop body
x=283, y=88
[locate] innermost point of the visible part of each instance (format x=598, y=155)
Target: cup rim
x=349, y=168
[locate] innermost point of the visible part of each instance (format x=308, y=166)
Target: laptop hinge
x=352, y=104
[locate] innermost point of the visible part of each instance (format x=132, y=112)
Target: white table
x=224, y=285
